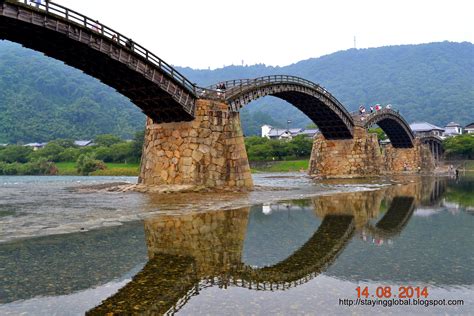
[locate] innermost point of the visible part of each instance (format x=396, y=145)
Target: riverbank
x=113, y=169
x=279, y=166
x=133, y=169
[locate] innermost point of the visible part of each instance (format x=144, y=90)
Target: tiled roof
x=424, y=127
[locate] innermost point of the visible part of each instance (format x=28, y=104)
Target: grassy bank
x=113, y=169
x=284, y=166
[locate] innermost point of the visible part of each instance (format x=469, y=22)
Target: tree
x=50, y=152
x=16, y=153
x=86, y=164
x=459, y=146
x=137, y=147
x=380, y=133
x=301, y=146
x=107, y=140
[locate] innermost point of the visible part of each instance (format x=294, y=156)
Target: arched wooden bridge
x=158, y=89
x=83, y=43
x=332, y=118
x=393, y=124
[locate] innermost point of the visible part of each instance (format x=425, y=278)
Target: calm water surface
x=291, y=247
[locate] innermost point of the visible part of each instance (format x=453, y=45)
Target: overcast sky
x=211, y=33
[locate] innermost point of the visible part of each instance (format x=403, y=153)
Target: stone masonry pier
x=208, y=152
x=362, y=156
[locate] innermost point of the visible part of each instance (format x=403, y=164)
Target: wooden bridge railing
x=233, y=87
x=94, y=25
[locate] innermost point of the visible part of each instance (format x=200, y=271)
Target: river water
x=292, y=246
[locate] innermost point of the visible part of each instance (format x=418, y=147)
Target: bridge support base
x=347, y=158
x=414, y=160
x=208, y=152
x=362, y=157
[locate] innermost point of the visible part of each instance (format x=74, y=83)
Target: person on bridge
x=388, y=107
x=130, y=43
x=371, y=109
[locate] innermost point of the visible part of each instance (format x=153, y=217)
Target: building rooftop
x=82, y=143
x=453, y=124
x=424, y=127
x=471, y=125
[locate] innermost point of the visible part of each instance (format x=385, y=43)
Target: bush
x=15, y=153
x=86, y=164
x=40, y=167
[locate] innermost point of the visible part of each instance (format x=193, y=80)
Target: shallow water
x=297, y=248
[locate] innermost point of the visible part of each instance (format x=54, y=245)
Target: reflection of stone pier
x=363, y=206
x=214, y=239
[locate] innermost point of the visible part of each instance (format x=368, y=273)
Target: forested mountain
x=42, y=99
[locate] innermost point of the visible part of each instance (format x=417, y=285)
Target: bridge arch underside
x=396, y=131
x=331, y=119
x=155, y=93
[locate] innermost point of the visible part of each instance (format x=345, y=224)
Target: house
x=469, y=129
x=426, y=129
x=270, y=132
x=452, y=129
x=83, y=143
x=35, y=146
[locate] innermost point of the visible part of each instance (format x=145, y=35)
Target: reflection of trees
x=461, y=193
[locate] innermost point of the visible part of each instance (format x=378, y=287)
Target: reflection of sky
x=74, y=304
x=320, y=296
x=435, y=246
x=433, y=249
x=274, y=236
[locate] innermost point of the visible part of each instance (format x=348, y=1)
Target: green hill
x=42, y=99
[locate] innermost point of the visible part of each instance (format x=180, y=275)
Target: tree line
x=22, y=160
x=264, y=149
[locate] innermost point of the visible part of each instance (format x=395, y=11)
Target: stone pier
x=208, y=152
x=418, y=158
x=362, y=156
x=357, y=157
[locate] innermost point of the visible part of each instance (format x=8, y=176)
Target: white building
x=270, y=132
x=469, y=129
x=426, y=129
x=36, y=146
x=452, y=129
x=83, y=143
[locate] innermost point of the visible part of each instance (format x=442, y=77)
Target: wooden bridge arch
x=393, y=124
x=158, y=89
x=332, y=118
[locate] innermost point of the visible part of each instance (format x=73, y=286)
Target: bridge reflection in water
x=191, y=252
